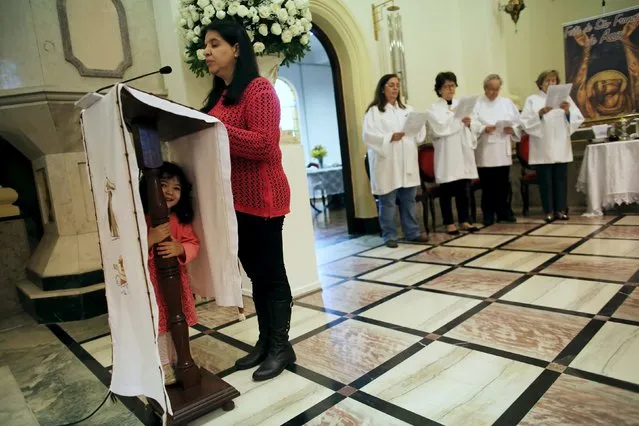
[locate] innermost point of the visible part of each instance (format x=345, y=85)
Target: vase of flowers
x=319, y=152
x=277, y=29
x=269, y=66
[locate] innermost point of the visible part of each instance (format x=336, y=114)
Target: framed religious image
x=601, y=55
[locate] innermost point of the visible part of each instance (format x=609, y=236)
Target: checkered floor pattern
x=527, y=323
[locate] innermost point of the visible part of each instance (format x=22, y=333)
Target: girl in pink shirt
x=183, y=244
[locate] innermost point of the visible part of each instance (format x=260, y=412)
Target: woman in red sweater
x=249, y=108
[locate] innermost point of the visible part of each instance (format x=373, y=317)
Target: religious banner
x=133, y=311
x=602, y=62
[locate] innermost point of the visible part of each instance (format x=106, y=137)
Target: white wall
x=31, y=49
x=183, y=86
x=463, y=36
x=473, y=39
x=318, y=116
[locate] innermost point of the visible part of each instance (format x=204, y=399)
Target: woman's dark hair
x=184, y=208
x=544, y=75
x=442, y=78
x=246, y=69
x=379, y=100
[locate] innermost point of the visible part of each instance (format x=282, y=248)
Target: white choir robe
x=454, y=143
x=392, y=165
x=495, y=150
x=550, y=136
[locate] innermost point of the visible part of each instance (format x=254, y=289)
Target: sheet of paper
x=414, y=123
x=465, y=107
x=501, y=125
x=557, y=94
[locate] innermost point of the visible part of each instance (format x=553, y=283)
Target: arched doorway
x=353, y=81
x=310, y=89
x=341, y=127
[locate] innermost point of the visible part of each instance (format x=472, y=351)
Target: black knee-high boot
x=280, y=352
x=260, y=351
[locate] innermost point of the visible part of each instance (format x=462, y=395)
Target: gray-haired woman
x=550, y=146
x=499, y=120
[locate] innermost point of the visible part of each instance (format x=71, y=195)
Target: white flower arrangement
x=274, y=27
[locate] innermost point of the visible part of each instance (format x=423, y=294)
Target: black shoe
x=260, y=351
x=561, y=216
x=549, y=218
x=488, y=218
x=391, y=244
x=420, y=239
x=280, y=353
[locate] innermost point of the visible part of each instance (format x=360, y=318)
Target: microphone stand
x=163, y=70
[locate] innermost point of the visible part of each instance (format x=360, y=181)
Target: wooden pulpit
x=123, y=133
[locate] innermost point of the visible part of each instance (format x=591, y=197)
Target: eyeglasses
x=392, y=86
x=449, y=86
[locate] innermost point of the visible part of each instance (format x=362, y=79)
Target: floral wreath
x=275, y=27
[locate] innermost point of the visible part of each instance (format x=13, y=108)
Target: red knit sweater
x=260, y=187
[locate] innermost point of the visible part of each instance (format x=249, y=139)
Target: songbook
x=501, y=125
x=414, y=123
x=557, y=94
x=465, y=107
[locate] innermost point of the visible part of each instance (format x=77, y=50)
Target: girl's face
x=172, y=191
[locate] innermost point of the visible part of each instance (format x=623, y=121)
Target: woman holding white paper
x=454, y=140
x=499, y=119
x=392, y=155
x=550, y=147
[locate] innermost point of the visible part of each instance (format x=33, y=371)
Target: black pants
x=495, y=188
x=262, y=255
x=459, y=190
x=553, y=186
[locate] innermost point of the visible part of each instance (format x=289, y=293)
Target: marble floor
x=525, y=323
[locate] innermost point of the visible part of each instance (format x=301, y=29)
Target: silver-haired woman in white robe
x=499, y=119
x=550, y=145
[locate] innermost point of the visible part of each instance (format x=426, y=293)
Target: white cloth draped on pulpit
x=199, y=144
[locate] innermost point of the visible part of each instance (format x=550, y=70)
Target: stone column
x=68, y=255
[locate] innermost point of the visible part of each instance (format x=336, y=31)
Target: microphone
x=164, y=70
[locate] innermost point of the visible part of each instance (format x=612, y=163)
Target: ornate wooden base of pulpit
x=212, y=393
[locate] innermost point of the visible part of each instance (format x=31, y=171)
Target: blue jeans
x=387, y=209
